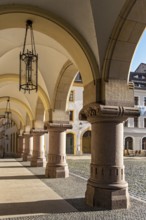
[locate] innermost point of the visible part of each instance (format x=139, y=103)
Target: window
x=136, y=100
x=78, y=78
x=144, y=143
x=144, y=101
x=126, y=123
x=71, y=115
x=144, y=122
x=136, y=122
x=70, y=143
x=71, y=96
x=87, y=134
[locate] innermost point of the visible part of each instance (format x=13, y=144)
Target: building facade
x=135, y=128
x=78, y=139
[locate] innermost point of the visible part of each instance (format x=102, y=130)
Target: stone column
x=27, y=146
x=23, y=146
x=106, y=186
x=38, y=158
x=57, y=166
x=20, y=145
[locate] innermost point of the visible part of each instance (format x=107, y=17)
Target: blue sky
x=140, y=53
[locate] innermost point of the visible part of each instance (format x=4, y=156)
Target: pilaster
x=57, y=166
x=106, y=186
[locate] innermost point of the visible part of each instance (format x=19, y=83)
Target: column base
x=18, y=155
x=38, y=162
x=24, y=157
x=57, y=171
x=29, y=157
x=107, y=198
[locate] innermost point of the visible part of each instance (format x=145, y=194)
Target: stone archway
x=127, y=32
x=57, y=29
x=74, y=45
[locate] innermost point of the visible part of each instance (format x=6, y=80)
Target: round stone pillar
x=57, y=166
x=23, y=146
x=106, y=186
x=27, y=147
x=20, y=145
x=38, y=158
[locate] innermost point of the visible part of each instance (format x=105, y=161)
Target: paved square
x=35, y=190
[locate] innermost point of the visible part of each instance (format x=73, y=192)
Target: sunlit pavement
x=21, y=192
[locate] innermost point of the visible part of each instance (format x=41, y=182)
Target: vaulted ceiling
x=52, y=57
x=97, y=38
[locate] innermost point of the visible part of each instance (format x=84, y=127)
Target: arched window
x=70, y=143
x=129, y=143
x=144, y=143
x=86, y=142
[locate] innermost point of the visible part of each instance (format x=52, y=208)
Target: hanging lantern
x=28, y=76
x=8, y=114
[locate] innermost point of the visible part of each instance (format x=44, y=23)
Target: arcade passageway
x=94, y=38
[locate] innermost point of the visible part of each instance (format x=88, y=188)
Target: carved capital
x=95, y=111
x=38, y=132
x=57, y=126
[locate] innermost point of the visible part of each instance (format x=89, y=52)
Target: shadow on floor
x=22, y=177
x=80, y=205
x=51, y=206
x=54, y=206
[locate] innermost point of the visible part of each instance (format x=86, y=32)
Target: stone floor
x=25, y=184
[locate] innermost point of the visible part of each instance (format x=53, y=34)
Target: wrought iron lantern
x=8, y=114
x=28, y=76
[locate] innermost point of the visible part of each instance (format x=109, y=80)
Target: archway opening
x=128, y=143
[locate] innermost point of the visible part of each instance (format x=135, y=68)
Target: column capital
x=95, y=112
x=57, y=126
x=27, y=134
x=38, y=132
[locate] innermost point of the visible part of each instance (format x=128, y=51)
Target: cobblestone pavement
x=135, y=174
x=136, y=177
x=73, y=189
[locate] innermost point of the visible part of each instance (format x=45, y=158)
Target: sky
x=140, y=53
